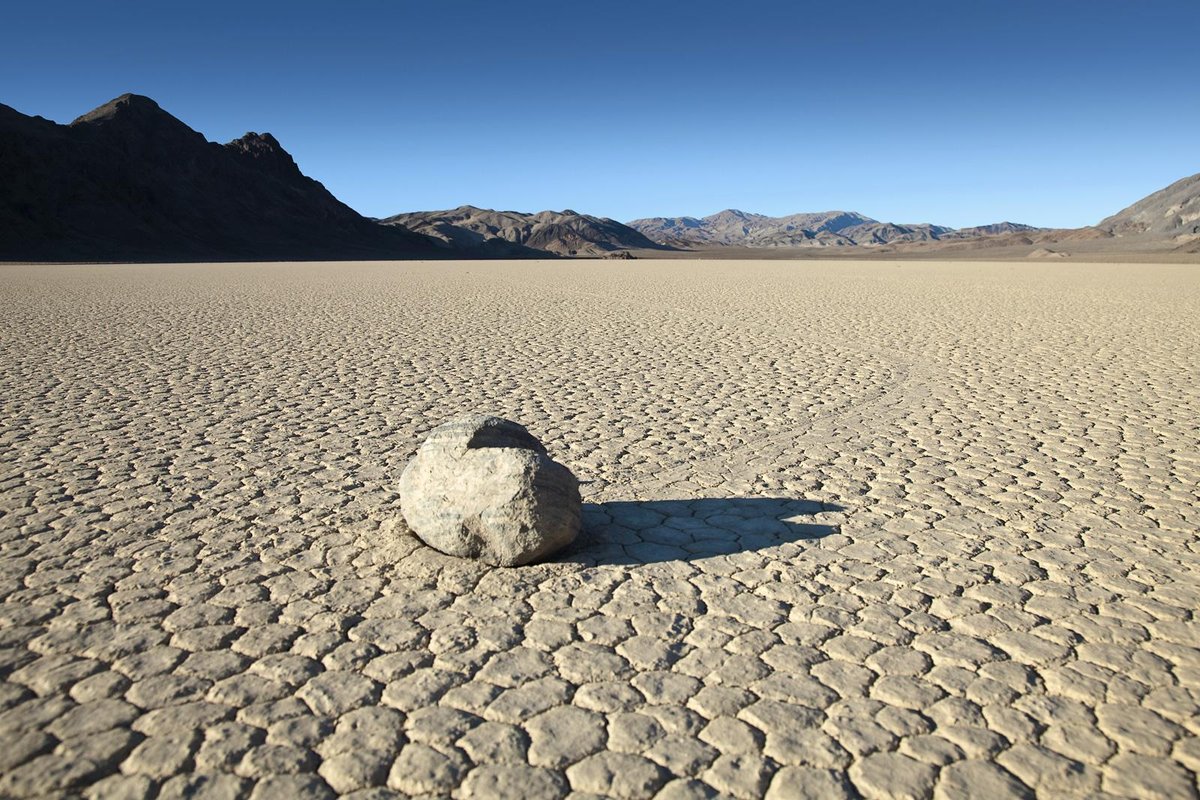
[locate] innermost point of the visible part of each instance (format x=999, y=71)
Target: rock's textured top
x=484, y=487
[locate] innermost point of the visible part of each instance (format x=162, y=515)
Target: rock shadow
x=655, y=531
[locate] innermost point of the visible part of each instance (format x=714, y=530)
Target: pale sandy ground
x=891, y=529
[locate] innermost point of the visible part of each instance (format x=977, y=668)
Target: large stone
x=483, y=487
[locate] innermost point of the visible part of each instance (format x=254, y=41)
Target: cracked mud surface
x=851, y=530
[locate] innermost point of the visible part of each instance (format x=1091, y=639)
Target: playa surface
x=886, y=529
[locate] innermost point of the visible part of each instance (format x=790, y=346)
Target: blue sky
x=960, y=113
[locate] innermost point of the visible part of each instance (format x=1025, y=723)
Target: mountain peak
x=265, y=152
x=130, y=106
x=136, y=120
x=259, y=141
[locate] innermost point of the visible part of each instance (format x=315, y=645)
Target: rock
x=1046, y=252
x=483, y=487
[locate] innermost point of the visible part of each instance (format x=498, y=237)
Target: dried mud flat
x=877, y=529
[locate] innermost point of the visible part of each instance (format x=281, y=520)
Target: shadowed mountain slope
x=559, y=232
x=130, y=182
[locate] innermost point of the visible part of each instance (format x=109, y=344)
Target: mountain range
x=129, y=182
x=823, y=229
x=566, y=233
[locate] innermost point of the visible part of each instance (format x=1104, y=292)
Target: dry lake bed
x=867, y=529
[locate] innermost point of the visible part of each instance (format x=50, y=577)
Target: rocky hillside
x=995, y=229
x=558, y=232
x=822, y=229
x=1171, y=214
x=130, y=182
x=740, y=228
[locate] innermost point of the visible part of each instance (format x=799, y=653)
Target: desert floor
x=889, y=529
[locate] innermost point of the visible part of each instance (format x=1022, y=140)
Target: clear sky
x=960, y=113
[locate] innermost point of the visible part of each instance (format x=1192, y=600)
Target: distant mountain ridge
x=559, y=232
x=734, y=228
x=128, y=181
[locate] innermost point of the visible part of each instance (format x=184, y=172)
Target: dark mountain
x=822, y=229
x=558, y=232
x=1170, y=215
x=130, y=182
